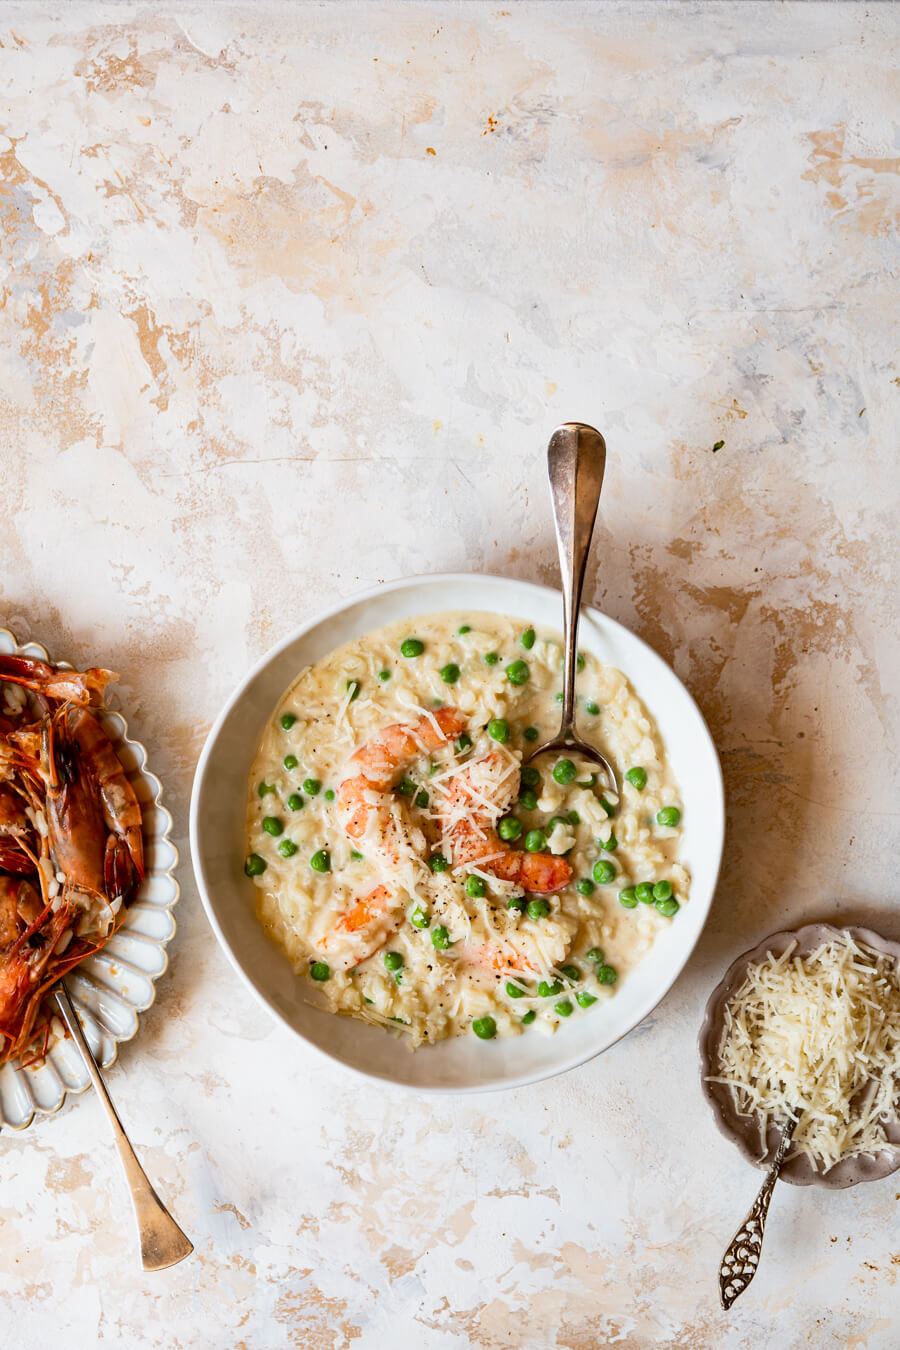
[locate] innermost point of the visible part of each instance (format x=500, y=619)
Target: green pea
x=265, y=788
x=498, y=729
x=353, y=688
x=607, y=974
x=527, y=639
x=628, y=898
x=573, y=818
x=530, y=776
x=320, y=971
x=528, y=800
x=294, y=801
x=564, y=771
x=450, y=673
x=592, y=708
x=328, y=794
x=287, y=848
x=485, y=1028
x=464, y=628
x=366, y=1000
x=668, y=908
x=518, y=672
x=637, y=777
x=440, y=938
x=355, y=855
x=584, y=999
x=588, y=782
x=438, y=863
x=529, y=1017
x=422, y=799
x=558, y=697
x=564, y=1009
x=584, y=886
x=287, y=720
x=272, y=825
x=610, y=845
x=476, y=886
x=255, y=865
x=311, y=786
x=557, y=820
x=514, y=990
x=644, y=892
x=464, y=743
x=595, y=954
x=604, y=872
x=531, y=733
x=491, y=658
x=290, y=761
x=517, y=902
x=411, y=647
x=509, y=828
x=579, y=661
x=384, y=676
x=419, y=918
x=662, y=890
x=571, y=972
x=668, y=816
x=537, y=909
x=608, y=808
x=393, y=961
x=321, y=861
x=546, y=990
x=535, y=841
x=407, y=788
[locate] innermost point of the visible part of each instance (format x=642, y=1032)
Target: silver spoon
x=162, y=1241
x=576, y=458
x=741, y=1260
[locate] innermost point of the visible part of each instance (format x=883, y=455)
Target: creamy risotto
x=417, y=874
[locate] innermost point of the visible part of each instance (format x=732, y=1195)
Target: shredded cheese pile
x=817, y=1038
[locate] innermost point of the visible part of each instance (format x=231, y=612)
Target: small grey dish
x=744, y=1130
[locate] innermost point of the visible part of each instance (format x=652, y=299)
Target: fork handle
x=741, y=1260
x=576, y=458
x=162, y=1241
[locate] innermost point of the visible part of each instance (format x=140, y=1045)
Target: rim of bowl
x=797, y=1170
x=321, y=616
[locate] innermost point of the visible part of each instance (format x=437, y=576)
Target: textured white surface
x=261, y=347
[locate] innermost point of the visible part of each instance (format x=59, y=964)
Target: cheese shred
x=817, y=1038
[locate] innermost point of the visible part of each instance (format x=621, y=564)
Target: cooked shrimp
x=474, y=799
x=361, y=929
x=70, y=686
x=362, y=801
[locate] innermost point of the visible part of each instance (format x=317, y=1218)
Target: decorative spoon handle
x=162, y=1241
x=741, y=1260
x=576, y=458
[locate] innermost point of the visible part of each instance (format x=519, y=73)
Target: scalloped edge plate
x=110, y=987
x=743, y=1131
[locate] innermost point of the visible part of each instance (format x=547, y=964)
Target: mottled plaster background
x=292, y=296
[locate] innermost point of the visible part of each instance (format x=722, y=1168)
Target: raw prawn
x=473, y=801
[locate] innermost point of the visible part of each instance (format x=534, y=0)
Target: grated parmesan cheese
x=817, y=1038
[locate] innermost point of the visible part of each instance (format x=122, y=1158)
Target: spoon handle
x=576, y=458
x=741, y=1260
x=162, y=1241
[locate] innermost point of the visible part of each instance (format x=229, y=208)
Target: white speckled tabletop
x=292, y=296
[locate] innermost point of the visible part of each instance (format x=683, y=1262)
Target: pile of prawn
x=71, y=846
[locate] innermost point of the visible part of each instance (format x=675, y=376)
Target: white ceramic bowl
x=463, y=1064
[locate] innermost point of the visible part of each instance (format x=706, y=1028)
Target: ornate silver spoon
x=741, y=1260
x=162, y=1241
x=576, y=458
